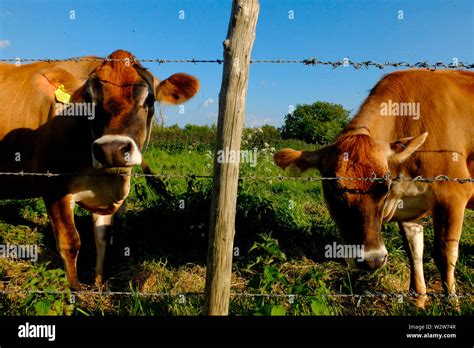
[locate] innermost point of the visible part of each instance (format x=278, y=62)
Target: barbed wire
x=309, y=62
x=387, y=177
x=367, y=294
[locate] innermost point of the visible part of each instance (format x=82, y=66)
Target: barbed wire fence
x=346, y=62
x=181, y=296
x=374, y=178
x=307, y=62
x=367, y=294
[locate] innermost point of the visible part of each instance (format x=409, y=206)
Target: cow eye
x=337, y=190
x=382, y=190
x=150, y=100
x=87, y=97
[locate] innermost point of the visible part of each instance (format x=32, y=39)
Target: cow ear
x=302, y=159
x=176, y=89
x=401, y=149
x=51, y=80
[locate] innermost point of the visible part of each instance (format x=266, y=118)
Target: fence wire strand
x=366, y=294
x=387, y=177
x=308, y=62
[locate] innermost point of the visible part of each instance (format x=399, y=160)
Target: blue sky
x=432, y=30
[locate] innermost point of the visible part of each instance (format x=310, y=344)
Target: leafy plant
x=307, y=293
x=49, y=292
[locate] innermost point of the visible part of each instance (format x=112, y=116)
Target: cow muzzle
x=110, y=151
x=374, y=259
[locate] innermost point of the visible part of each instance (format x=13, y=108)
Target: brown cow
x=34, y=138
x=414, y=122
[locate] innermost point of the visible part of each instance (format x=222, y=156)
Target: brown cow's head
x=124, y=94
x=356, y=206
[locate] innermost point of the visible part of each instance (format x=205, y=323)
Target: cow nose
x=115, y=151
x=374, y=259
x=112, y=154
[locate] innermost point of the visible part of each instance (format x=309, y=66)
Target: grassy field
x=281, y=230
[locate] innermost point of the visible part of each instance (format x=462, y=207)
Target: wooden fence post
x=232, y=98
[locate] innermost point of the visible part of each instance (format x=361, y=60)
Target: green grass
x=281, y=230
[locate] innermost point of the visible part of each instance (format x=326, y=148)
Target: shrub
x=318, y=123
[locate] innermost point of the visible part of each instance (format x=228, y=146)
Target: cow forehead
x=374, y=164
x=359, y=156
x=124, y=86
x=123, y=79
x=119, y=75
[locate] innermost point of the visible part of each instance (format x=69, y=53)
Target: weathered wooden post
x=232, y=97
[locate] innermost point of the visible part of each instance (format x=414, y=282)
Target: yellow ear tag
x=293, y=171
x=61, y=95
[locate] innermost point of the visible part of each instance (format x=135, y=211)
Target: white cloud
x=5, y=43
x=208, y=102
x=252, y=120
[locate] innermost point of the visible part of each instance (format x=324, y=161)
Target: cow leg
x=413, y=237
x=68, y=242
x=447, y=220
x=102, y=232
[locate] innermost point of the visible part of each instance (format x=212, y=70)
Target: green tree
x=318, y=123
